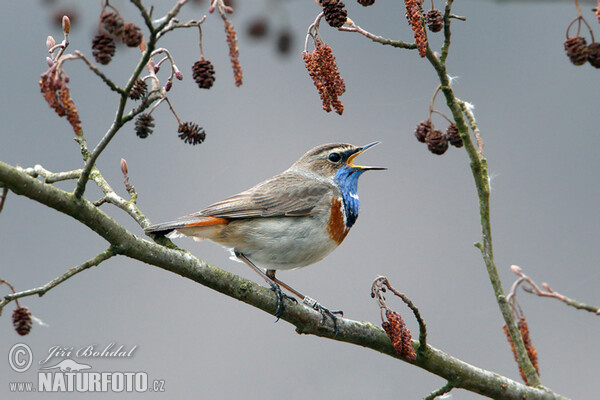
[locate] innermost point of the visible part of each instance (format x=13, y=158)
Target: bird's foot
x=325, y=312
x=280, y=300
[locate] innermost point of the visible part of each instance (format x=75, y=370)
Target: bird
x=291, y=220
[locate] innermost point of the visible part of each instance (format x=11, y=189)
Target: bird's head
x=329, y=160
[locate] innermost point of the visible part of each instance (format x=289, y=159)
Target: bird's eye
x=335, y=157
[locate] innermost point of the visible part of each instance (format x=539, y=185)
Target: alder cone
x=203, y=73
x=593, y=55
x=577, y=50
x=334, y=11
x=437, y=142
x=103, y=48
x=132, y=35
x=435, y=20
x=422, y=130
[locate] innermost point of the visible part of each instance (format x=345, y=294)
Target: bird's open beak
x=361, y=150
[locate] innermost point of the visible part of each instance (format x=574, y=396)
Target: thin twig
x=379, y=285
x=100, y=74
x=164, y=21
x=313, y=30
x=101, y=201
x=458, y=17
x=3, y=197
x=128, y=186
x=546, y=291
x=200, y=41
x=145, y=14
x=150, y=99
x=221, y=7
x=174, y=70
x=110, y=196
x=432, y=101
x=447, y=32
x=174, y=24
x=467, y=109
x=443, y=116
x=173, y=110
x=52, y=177
x=12, y=289
x=105, y=255
x=578, y=8
x=441, y=391
x=117, y=123
x=64, y=44
x=89, y=165
x=394, y=43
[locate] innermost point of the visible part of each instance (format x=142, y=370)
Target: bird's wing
x=285, y=194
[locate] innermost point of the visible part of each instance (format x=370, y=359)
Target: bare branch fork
x=120, y=120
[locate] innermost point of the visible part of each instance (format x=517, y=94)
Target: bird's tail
x=187, y=226
x=165, y=228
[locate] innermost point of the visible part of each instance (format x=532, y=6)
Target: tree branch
x=480, y=174
x=479, y=170
x=306, y=320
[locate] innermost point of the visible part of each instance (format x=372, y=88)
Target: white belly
x=276, y=243
x=281, y=243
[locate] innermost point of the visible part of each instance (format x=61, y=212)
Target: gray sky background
x=539, y=118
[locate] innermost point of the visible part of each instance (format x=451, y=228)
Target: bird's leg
x=308, y=301
x=271, y=275
x=274, y=286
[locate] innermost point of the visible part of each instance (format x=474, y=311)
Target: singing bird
x=289, y=221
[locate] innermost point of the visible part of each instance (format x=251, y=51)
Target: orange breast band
x=336, y=227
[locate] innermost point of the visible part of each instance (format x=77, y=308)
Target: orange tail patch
x=207, y=221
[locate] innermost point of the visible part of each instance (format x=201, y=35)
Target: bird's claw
x=280, y=300
x=325, y=312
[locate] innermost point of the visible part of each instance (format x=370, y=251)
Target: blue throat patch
x=346, y=179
